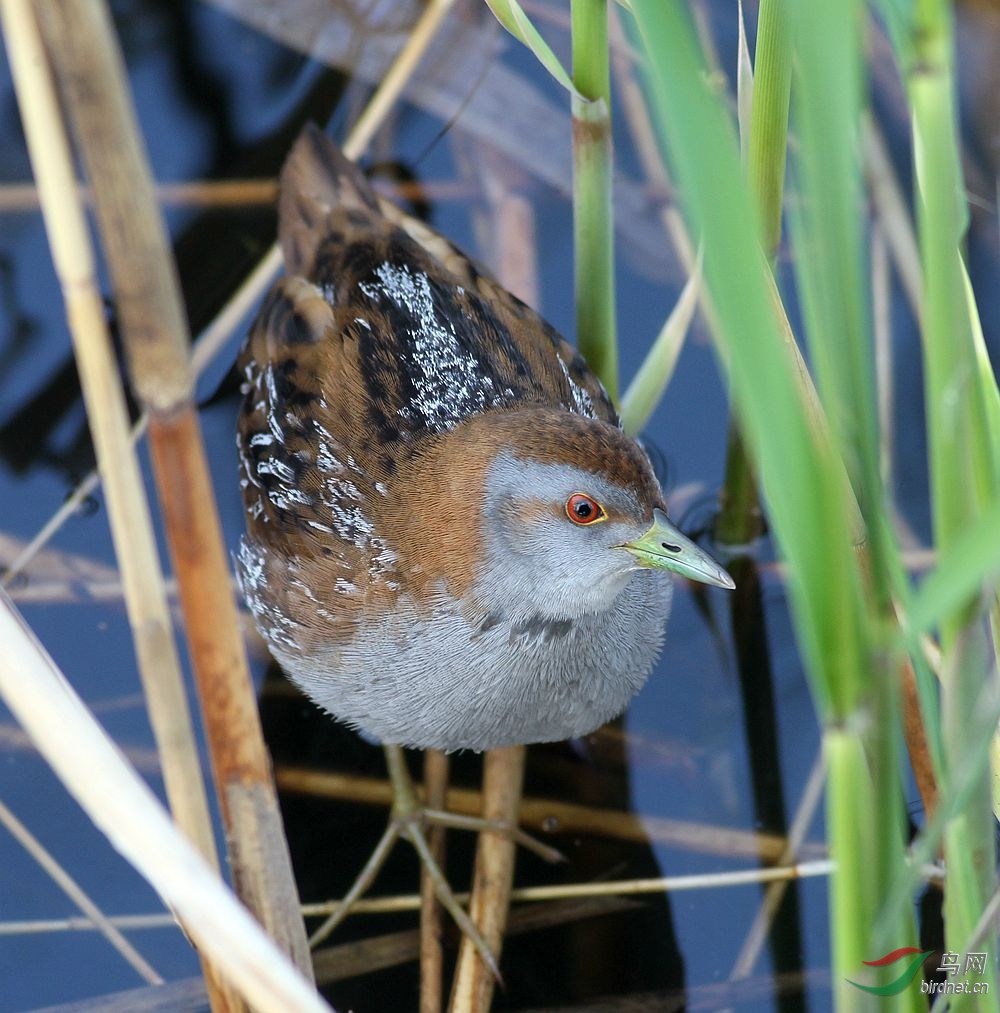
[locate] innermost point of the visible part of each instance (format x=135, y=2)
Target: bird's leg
x=406, y=820
x=408, y=814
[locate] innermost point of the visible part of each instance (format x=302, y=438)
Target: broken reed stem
x=88, y=64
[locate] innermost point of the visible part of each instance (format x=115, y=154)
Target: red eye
x=581, y=509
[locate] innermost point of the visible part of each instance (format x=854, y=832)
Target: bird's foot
x=408, y=820
x=456, y=821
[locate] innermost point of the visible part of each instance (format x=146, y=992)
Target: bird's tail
x=316, y=179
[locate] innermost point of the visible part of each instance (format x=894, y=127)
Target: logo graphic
x=897, y=985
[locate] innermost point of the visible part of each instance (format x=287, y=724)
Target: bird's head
x=554, y=509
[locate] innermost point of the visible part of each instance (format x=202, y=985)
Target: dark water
x=702, y=743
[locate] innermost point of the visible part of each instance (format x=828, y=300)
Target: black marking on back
x=449, y=353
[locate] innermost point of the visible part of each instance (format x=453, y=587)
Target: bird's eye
x=581, y=509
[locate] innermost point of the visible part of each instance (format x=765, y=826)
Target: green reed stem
x=593, y=223
x=740, y=519
x=963, y=468
x=830, y=260
x=801, y=459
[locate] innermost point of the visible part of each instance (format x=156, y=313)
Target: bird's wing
x=371, y=343
x=458, y=340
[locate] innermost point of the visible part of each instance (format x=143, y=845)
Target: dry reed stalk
x=503, y=775
x=88, y=65
x=135, y=544
x=337, y=963
x=881, y=281
x=761, y=925
x=94, y=915
x=893, y=231
x=915, y=735
x=436, y=766
x=398, y=903
x=551, y=816
x=503, y=769
x=234, y=193
x=893, y=213
x=131, y=525
x=125, y=810
x=225, y=193
x=892, y=217
x=392, y=85
x=365, y=956
x=160, y=920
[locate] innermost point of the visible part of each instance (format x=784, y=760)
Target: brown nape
x=552, y=436
x=434, y=507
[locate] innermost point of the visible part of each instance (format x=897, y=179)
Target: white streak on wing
x=272, y=466
x=448, y=383
x=273, y=423
x=304, y=588
x=251, y=569
x=285, y=493
x=383, y=557
x=341, y=514
x=583, y=403
x=291, y=495
x=327, y=461
x=275, y=627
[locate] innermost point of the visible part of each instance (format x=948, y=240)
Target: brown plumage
x=385, y=388
x=322, y=368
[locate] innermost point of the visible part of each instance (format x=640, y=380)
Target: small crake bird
x=450, y=541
